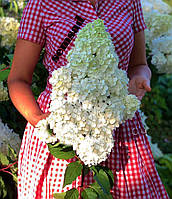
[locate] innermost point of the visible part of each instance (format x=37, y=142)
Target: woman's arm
x=138, y=70
x=25, y=59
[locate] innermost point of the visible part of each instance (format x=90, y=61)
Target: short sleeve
x=31, y=24
x=139, y=23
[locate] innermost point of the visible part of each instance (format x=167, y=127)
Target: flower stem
x=82, y=181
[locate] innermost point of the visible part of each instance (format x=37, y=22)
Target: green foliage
x=59, y=195
x=72, y=194
x=73, y=170
x=3, y=189
x=61, y=151
x=98, y=168
x=164, y=167
x=4, y=74
x=4, y=56
x=89, y=194
x=8, y=187
x=101, y=195
x=3, y=159
x=169, y=2
x=104, y=181
x=157, y=106
x=10, y=8
x=8, y=174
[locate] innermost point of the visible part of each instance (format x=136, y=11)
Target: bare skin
x=19, y=80
x=138, y=70
x=26, y=56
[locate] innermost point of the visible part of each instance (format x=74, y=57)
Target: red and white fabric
x=48, y=22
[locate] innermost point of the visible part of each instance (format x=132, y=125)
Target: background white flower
x=3, y=92
x=156, y=6
x=8, y=30
x=159, y=34
x=8, y=137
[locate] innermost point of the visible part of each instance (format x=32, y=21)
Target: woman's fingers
x=139, y=87
x=146, y=85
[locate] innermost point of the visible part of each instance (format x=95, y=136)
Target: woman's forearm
x=23, y=99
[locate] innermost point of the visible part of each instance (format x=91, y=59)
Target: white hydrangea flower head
x=8, y=137
x=89, y=96
x=159, y=40
x=158, y=24
x=156, y=6
x=21, y=4
x=3, y=93
x=8, y=30
x=162, y=53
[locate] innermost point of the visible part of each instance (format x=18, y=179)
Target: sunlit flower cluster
x=21, y=4
x=8, y=137
x=156, y=6
x=89, y=96
x=162, y=53
x=3, y=92
x=8, y=30
x=158, y=25
x=159, y=39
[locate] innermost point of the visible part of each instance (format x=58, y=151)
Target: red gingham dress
x=48, y=23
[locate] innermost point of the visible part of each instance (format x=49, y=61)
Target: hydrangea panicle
x=89, y=96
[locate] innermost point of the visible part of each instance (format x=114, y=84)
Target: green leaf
x=11, y=6
x=3, y=189
x=103, y=180
x=61, y=151
x=59, y=195
x=15, y=6
x=12, y=154
x=3, y=159
x=2, y=12
x=166, y=160
x=72, y=194
x=89, y=194
x=106, y=170
x=4, y=74
x=99, y=191
x=10, y=57
x=110, y=175
x=73, y=170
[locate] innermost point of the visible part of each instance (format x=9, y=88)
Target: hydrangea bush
x=160, y=6
x=8, y=138
x=159, y=34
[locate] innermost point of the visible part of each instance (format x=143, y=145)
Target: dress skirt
x=131, y=160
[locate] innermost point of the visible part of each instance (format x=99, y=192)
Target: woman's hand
x=36, y=118
x=138, y=70
x=139, y=85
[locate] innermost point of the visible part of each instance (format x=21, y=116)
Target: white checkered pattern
x=47, y=22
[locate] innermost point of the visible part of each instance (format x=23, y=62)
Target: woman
x=54, y=25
